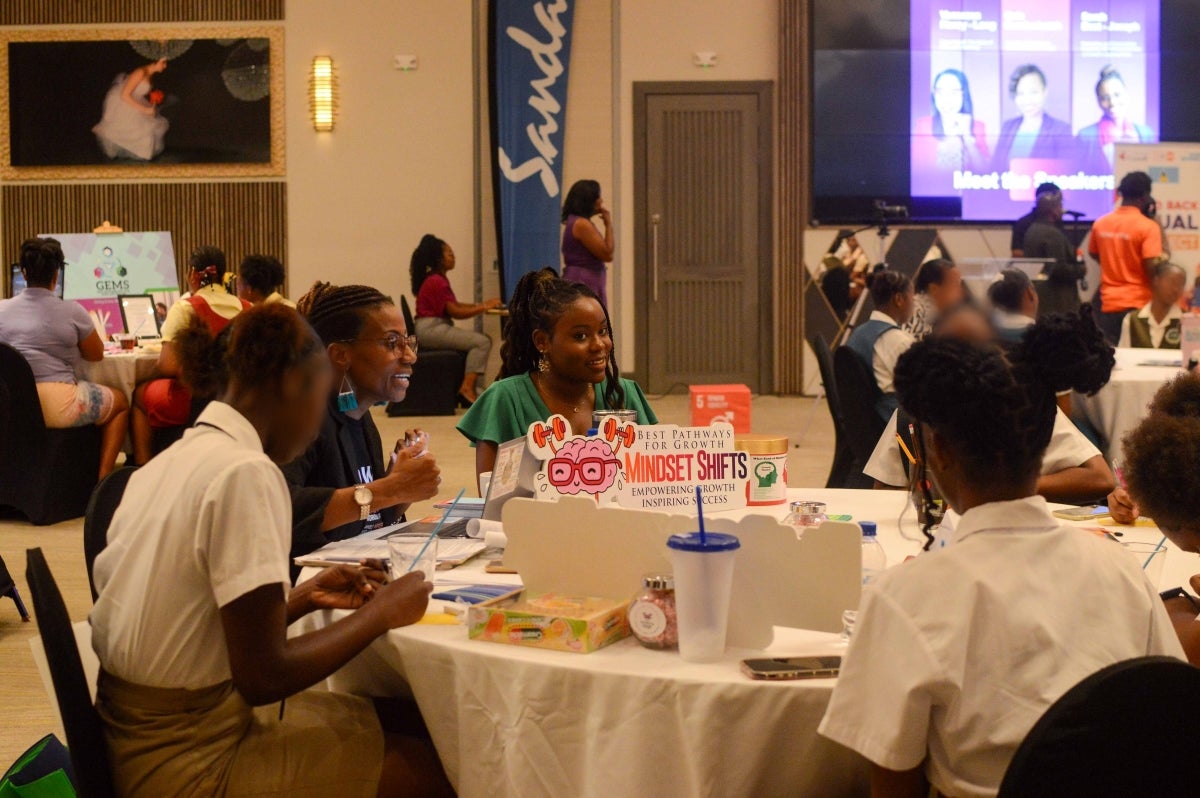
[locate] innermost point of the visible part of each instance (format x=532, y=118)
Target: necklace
x=578, y=404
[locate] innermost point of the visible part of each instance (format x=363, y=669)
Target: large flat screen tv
x=959, y=110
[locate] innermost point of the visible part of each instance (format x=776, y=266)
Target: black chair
x=857, y=394
x=846, y=471
x=100, y=509
x=45, y=474
x=85, y=733
x=1123, y=731
x=436, y=378
x=8, y=587
x=163, y=438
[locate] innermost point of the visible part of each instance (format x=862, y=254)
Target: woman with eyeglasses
x=557, y=359
x=344, y=484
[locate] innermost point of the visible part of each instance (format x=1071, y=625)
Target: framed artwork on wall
x=141, y=103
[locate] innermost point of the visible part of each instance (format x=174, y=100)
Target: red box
x=730, y=403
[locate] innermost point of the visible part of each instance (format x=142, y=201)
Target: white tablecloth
x=627, y=721
x=121, y=370
x=1121, y=404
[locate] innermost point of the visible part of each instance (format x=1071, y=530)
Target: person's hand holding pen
x=1121, y=506
x=347, y=587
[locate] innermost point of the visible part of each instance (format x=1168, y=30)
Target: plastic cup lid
x=713, y=542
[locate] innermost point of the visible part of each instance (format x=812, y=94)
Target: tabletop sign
x=649, y=467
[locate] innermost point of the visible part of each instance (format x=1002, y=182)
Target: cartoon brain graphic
x=583, y=465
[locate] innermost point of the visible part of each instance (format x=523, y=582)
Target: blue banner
x=528, y=59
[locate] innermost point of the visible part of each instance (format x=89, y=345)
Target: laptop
x=512, y=477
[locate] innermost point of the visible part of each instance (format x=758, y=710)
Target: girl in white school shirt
x=958, y=652
x=195, y=600
x=1072, y=469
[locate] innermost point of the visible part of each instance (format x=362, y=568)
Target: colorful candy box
x=579, y=624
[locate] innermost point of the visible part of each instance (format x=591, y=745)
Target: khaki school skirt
x=205, y=742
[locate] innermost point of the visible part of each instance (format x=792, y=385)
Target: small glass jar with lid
x=806, y=514
x=652, y=613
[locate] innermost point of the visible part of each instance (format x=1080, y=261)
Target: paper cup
x=703, y=585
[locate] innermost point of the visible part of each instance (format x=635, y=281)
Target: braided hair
x=209, y=262
x=996, y=407
x=538, y=302
x=338, y=312
x=426, y=259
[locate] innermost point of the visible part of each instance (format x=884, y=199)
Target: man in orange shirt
x=1128, y=243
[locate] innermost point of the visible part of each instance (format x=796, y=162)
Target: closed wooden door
x=704, y=234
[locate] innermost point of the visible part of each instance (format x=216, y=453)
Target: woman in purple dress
x=584, y=249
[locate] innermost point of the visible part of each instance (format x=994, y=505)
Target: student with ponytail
x=167, y=401
x=190, y=626
x=438, y=307
x=958, y=652
x=557, y=358
x=1072, y=468
x=344, y=483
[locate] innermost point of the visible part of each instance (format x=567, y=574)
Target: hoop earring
x=347, y=399
x=543, y=364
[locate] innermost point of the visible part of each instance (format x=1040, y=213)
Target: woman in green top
x=557, y=359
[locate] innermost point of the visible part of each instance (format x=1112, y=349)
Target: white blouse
x=204, y=523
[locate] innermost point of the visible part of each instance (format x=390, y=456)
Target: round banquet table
x=1121, y=404
x=121, y=370
x=625, y=720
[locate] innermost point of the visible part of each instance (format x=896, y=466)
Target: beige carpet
x=25, y=712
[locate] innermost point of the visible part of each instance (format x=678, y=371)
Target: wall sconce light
x=322, y=94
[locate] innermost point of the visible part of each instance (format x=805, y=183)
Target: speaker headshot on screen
x=950, y=137
x=1097, y=140
x=1033, y=134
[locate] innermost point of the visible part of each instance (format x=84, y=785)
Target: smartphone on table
x=1089, y=512
x=789, y=668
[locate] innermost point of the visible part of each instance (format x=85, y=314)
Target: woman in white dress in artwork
x=130, y=126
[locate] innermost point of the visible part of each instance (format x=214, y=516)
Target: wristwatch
x=363, y=497
x=1179, y=592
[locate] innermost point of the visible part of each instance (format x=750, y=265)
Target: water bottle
x=874, y=560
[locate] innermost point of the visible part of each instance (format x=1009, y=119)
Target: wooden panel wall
x=82, y=12
x=240, y=218
x=794, y=132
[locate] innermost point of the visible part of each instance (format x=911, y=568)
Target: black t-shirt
x=359, y=456
x=1021, y=227
x=1046, y=241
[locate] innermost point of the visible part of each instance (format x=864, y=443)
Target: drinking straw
x=1157, y=549
x=700, y=510
x=436, y=529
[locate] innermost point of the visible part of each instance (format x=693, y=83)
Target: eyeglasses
x=561, y=471
x=394, y=343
